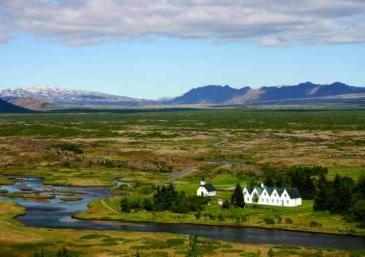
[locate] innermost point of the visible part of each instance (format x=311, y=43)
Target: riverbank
x=292, y=219
x=17, y=240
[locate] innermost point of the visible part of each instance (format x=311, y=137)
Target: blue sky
x=152, y=64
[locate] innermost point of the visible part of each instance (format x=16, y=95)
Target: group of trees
x=165, y=198
x=303, y=178
x=342, y=195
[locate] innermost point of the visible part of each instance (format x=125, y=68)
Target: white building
x=205, y=189
x=272, y=196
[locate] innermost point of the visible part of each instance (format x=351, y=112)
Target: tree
x=193, y=249
x=358, y=210
x=124, y=205
x=237, y=198
x=342, y=192
x=321, y=201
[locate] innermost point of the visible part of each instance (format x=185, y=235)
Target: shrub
x=269, y=221
x=226, y=204
x=314, y=224
x=220, y=217
x=288, y=221
x=70, y=148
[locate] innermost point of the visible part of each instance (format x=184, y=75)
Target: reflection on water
x=57, y=213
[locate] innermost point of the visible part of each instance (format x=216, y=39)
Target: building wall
x=274, y=199
x=203, y=192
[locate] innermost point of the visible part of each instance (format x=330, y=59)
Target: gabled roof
x=280, y=191
x=269, y=189
x=293, y=192
x=209, y=187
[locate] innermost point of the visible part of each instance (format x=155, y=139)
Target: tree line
x=342, y=195
x=165, y=198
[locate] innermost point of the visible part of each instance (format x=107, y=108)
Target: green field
x=149, y=148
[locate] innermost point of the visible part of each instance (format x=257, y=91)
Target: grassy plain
x=146, y=149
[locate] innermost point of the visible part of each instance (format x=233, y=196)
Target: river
x=56, y=213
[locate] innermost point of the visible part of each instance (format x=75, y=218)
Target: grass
x=145, y=148
x=299, y=218
x=20, y=241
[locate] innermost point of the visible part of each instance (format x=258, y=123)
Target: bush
x=220, y=217
x=288, y=221
x=359, y=210
x=226, y=204
x=314, y=224
x=269, y=221
x=70, y=148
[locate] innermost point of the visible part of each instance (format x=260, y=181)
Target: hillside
x=226, y=95
x=30, y=103
x=6, y=107
x=70, y=97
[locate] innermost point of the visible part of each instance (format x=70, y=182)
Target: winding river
x=57, y=213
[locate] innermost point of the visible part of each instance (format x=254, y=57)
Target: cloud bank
x=264, y=22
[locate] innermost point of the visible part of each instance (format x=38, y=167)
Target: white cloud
x=265, y=22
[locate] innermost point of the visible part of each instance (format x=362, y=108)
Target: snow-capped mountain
x=72, y=97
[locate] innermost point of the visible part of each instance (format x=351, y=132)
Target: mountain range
x=69, y=97
x=45, y=97
x=308, y=91
x=6, y=107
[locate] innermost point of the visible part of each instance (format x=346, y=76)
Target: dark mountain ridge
x=222, y=95
x=6, y=107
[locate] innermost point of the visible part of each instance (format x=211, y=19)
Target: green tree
x=124, y=205
x=342, y=194
x=321, y=201
x=237, y=198
x=358, y=210
x=193, y=248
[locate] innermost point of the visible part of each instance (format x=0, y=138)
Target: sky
x=163, y=48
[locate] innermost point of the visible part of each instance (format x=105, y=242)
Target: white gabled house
x=205, y=189
x=287, y=197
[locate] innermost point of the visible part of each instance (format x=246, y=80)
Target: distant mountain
x=70, y=97
x=6, y=107
x=307, y=90
x=225, y=95
x=212, y=94
x=29, y=103
x=45, y=98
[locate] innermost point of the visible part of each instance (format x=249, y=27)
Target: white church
x=272, y=196
x=205, y=189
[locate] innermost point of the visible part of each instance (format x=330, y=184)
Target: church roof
x=293, y=192
x=209, y=187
